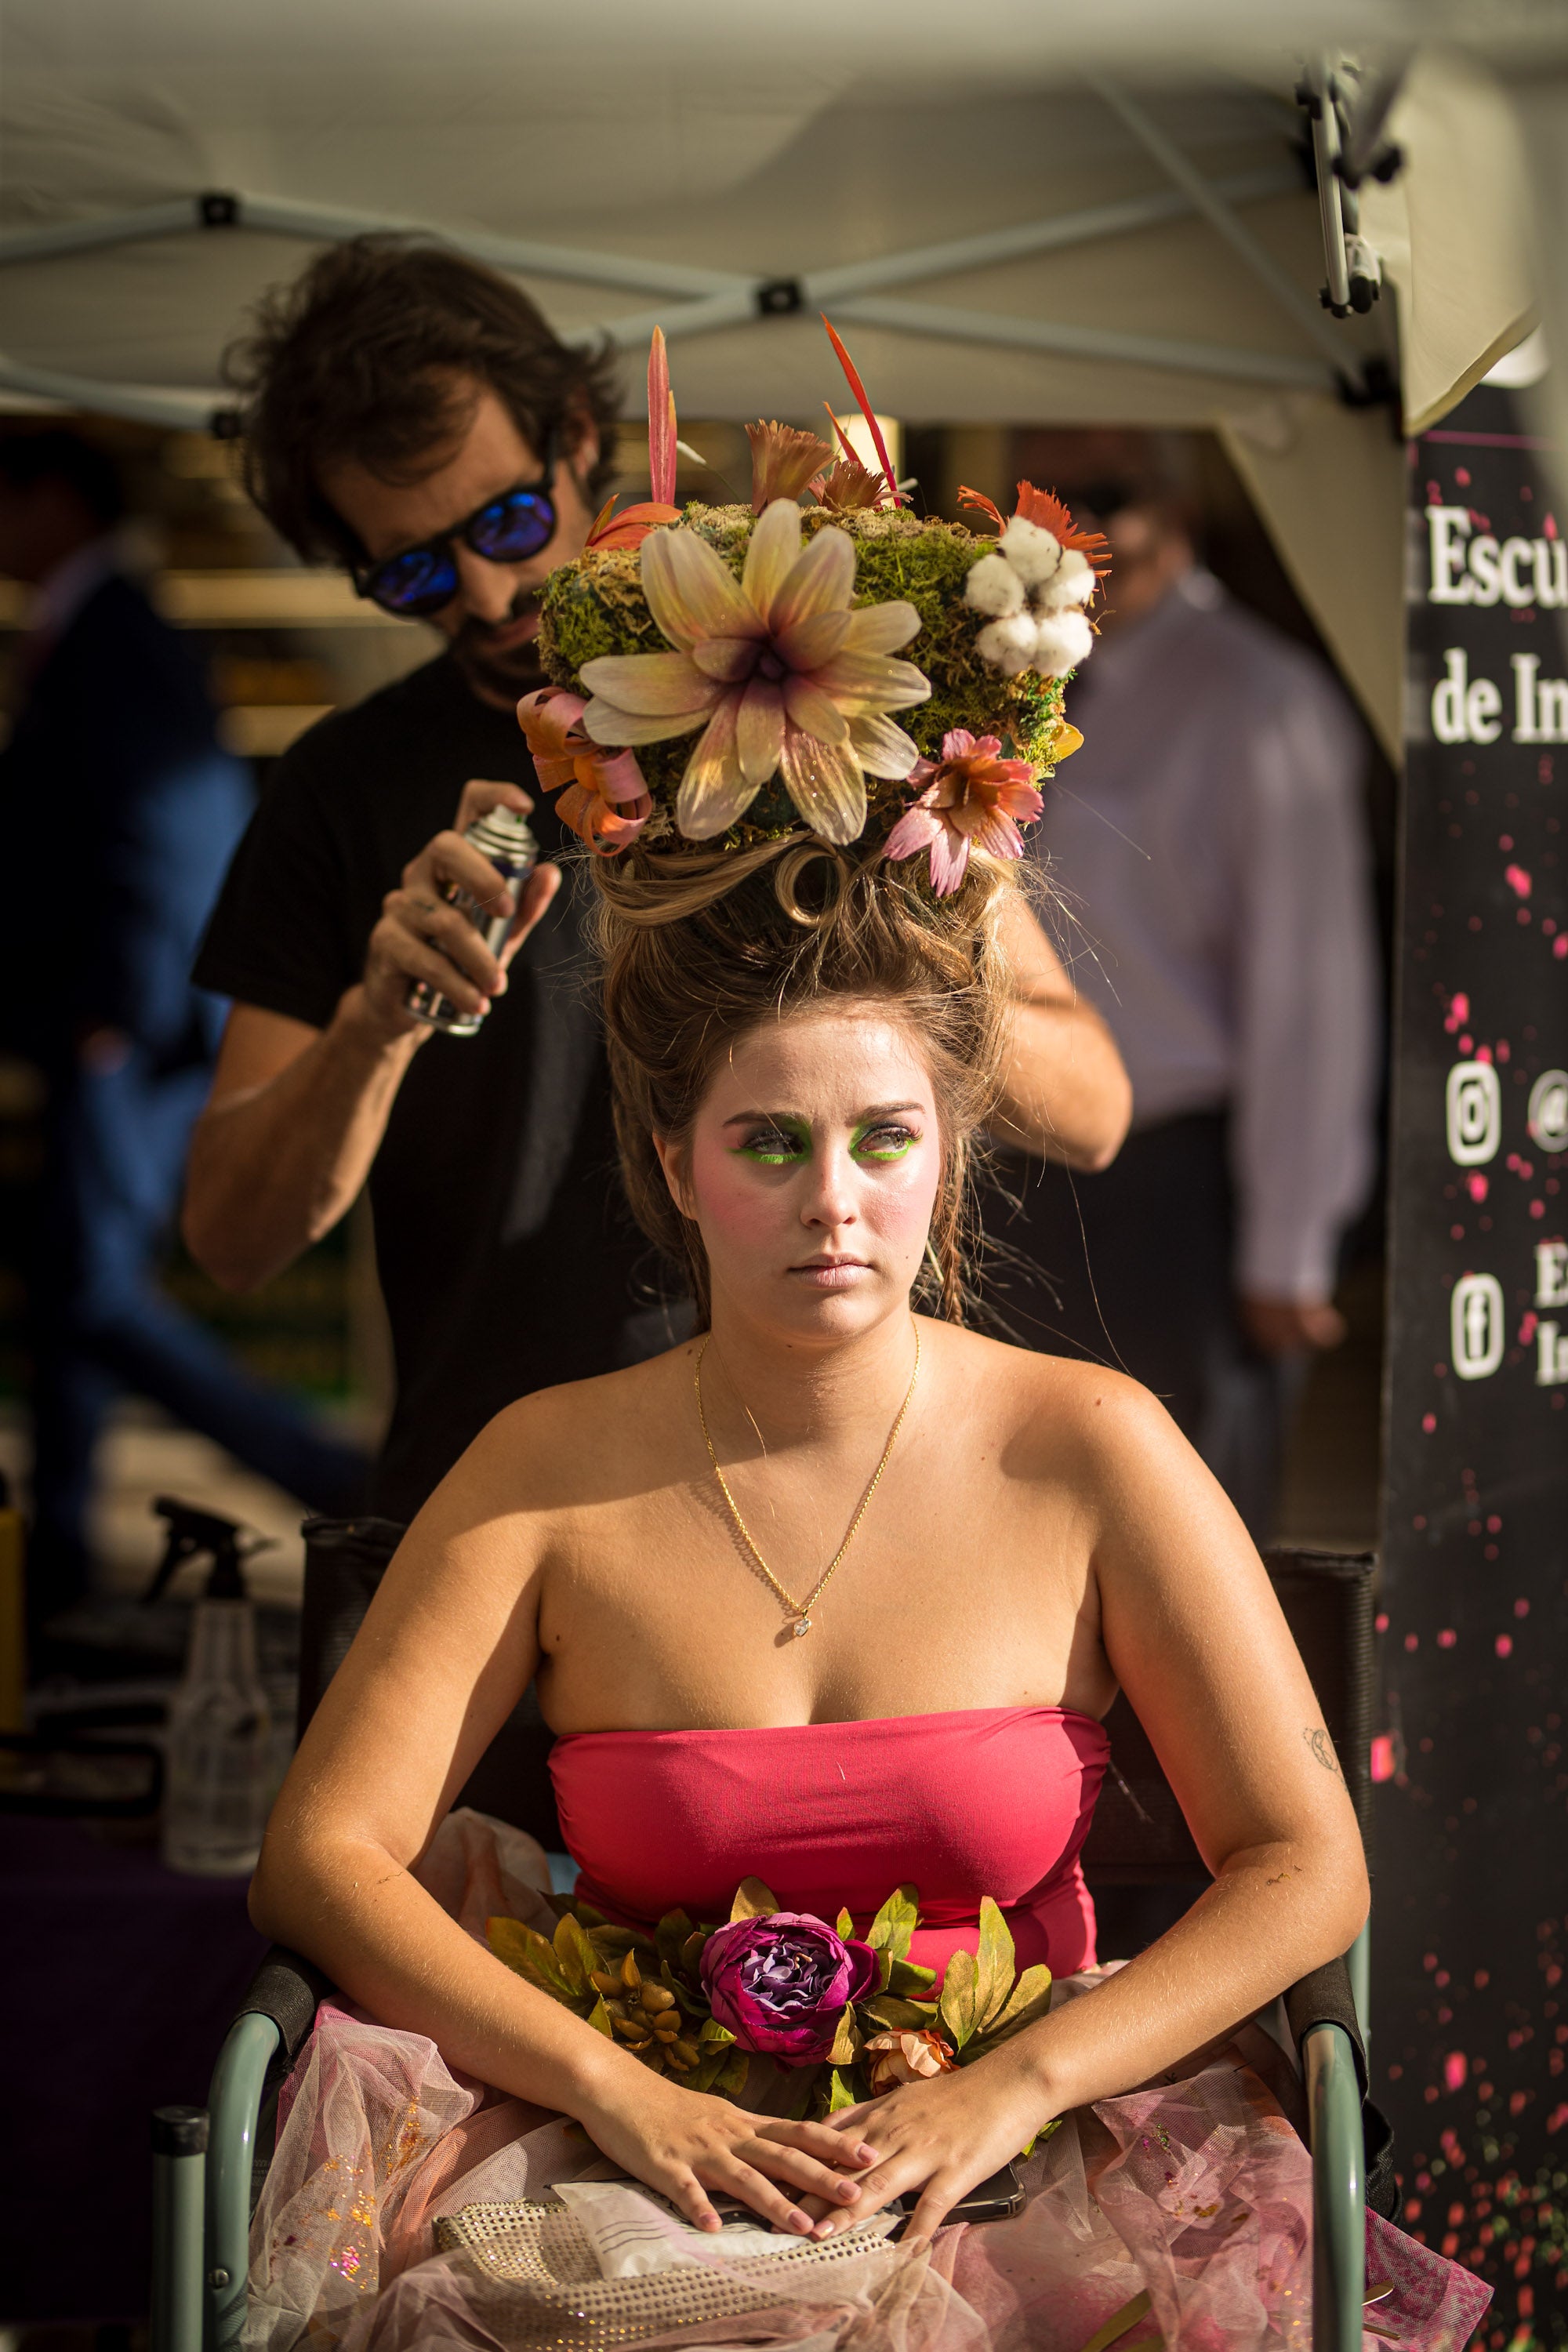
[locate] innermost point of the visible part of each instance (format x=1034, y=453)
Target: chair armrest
x=1339, y=2187
x=234, y=2103
x=288, y=1990
x=1325, y=1998
x=271, y=2027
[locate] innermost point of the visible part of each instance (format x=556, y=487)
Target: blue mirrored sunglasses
x=507, y=530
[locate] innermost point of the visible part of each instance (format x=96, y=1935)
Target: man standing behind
x=113, y=763
x=411, y=416
x=1211, y=840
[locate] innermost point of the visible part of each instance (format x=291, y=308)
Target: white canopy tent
x=1021, y=214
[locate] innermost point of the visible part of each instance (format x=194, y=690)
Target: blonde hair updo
x=698, y=947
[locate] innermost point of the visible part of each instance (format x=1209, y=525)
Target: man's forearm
x=273, y=1167
x=1065, y=1093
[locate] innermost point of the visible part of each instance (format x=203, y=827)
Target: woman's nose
x=830, y=1193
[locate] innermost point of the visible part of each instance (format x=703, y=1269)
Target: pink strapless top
x=990, y=1800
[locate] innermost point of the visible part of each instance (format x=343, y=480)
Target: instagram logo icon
x=1474, y=1113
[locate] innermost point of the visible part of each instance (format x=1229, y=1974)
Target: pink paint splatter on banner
x=1503, y=1645
x=1429, y=1423
x=1455, y=2067
x=1476, y=1185
x=1446, y=1638
x=1458, y=1014
x=1382, y=1757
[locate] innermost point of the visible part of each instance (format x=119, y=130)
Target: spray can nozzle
x=195, y=1534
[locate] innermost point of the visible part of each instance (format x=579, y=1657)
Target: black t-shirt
x=508, y=1257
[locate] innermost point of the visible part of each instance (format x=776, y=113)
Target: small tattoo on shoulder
x=1323, y=1747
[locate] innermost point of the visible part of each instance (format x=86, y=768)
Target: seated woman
x=836, y=1595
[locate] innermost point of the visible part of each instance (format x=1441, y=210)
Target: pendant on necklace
x=801, y=1627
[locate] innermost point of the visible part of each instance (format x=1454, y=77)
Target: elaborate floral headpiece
x=770, y=633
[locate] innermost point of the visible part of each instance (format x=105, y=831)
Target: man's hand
x=421, y=936
x=1286, y=1326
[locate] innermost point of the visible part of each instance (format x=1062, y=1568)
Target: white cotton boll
x=1033, y=551
x=992, y=587
x=1062, y=640
x=1073, y=582
x=1008, y=644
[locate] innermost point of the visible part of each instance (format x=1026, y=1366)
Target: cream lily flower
x=774, y=667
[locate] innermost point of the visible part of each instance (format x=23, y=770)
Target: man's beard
x=499, y=675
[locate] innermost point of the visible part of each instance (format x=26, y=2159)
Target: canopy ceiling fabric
x=715, y=151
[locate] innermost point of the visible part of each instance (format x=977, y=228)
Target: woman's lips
x=830, y=1273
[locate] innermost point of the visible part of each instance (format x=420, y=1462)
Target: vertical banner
x=1470, y=2010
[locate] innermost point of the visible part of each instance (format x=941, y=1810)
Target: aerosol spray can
x=507, y=840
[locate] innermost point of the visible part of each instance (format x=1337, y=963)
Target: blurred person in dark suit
x=1210, y=839
x=113, y=777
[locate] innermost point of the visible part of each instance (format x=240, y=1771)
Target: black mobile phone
x=996, y=2200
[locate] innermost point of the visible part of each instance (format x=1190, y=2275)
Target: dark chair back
x=344, y=1561
x=1138, y=1836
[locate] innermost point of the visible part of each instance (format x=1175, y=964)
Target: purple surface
x=119, y=1980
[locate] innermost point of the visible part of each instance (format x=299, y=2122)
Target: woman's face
x=812, y=1169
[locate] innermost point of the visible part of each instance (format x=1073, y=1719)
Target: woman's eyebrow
x=797, y=1119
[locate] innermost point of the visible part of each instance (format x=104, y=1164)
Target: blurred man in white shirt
x=1212, y=844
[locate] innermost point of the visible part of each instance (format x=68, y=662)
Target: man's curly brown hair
x=373, y=355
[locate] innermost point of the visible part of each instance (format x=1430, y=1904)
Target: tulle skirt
x=1179, y=2214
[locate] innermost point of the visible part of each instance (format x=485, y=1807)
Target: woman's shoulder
x=1043, y=1406
x=582, y=1441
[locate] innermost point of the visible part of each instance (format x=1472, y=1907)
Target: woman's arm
x=1197, y=1640
x=446, y=1649
x=1065, y=1093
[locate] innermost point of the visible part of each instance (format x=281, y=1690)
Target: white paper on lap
x=632, y=2236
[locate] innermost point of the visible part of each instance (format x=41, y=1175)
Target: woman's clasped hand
x=939, y=2137
x=691, y=2147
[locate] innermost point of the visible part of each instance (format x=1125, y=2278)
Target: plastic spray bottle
x=217, y=1784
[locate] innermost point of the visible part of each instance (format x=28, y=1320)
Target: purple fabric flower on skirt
x=779, y=1983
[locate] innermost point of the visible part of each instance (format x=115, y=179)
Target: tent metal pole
x=855, y=278
x=1088, y=343
x=277, y=216
x=104, y=229
x=1307, y=314
x=281, y=217
x=526, y=255
x=630, y=332
x=191, y=412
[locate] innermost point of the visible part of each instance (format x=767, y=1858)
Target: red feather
x=967, y=497
x=867, y=411
x=661, y=454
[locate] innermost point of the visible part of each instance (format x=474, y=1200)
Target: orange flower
x=606, y=799
x=971, y=798
x=783, y=460
x=907, y=2058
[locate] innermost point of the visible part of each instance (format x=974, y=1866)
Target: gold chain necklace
x=800, y=1611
